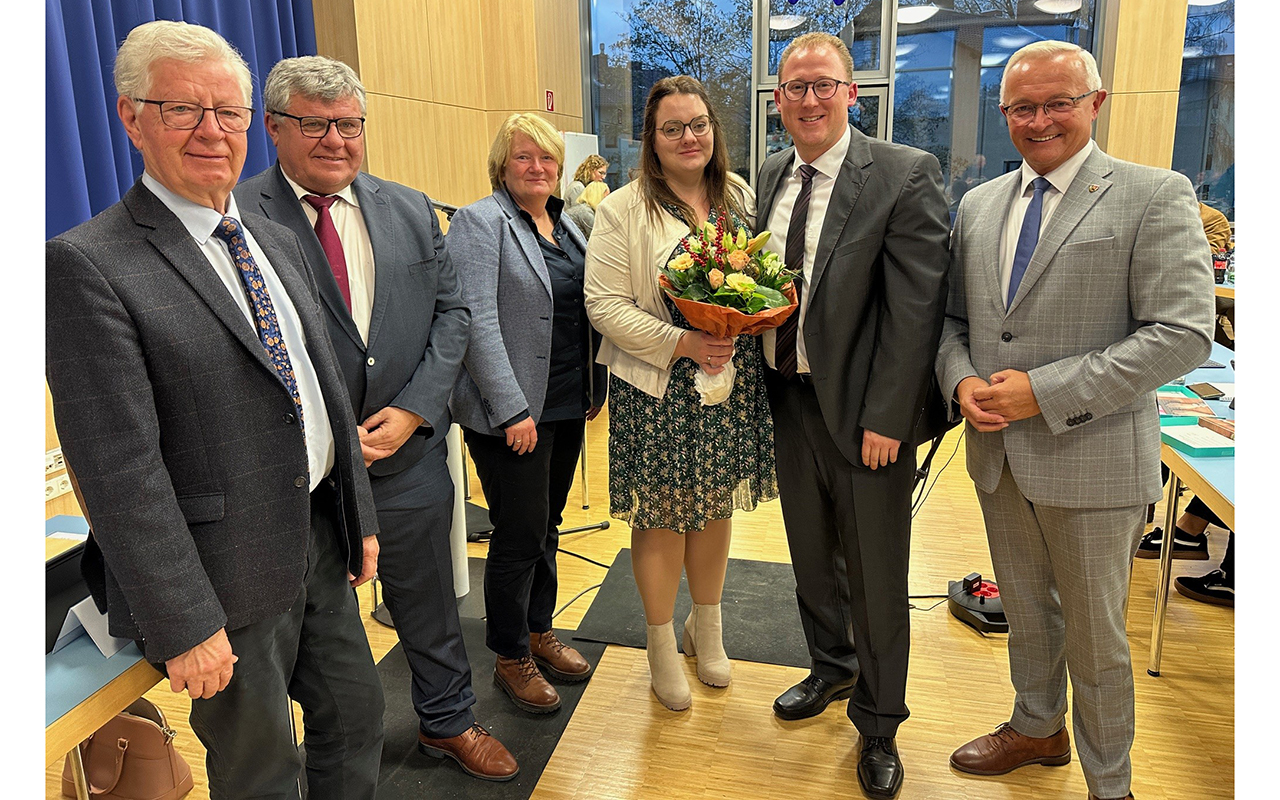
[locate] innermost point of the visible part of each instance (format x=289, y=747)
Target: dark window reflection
x=1204, y=142
x=857, y=22
x=864, y=115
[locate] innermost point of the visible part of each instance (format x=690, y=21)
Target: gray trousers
x=1064, y=580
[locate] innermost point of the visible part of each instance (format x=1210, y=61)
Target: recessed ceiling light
x=1057, y=6
x=912, y=15
x=785, y=22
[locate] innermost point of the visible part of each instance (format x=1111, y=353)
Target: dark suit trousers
x=316, y=653
x=526, y=496
x=415, y=565
x=849, y=531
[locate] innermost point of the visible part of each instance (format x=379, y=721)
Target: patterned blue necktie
x=1027, y=238
x=263, y=311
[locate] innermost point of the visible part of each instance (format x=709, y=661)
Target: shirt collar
x=828, y=163
x=346, y=193
x=1061, y=177
x=200, y=221
x=554, y=206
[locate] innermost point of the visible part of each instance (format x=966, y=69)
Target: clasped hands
x=991, y=406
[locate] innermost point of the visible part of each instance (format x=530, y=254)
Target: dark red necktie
x=327, y=233
x=784, y=348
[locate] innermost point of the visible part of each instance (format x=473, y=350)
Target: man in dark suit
x=201, y=407
x=391, y=299
x=865, y=222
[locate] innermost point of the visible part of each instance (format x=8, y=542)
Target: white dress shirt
x=822, y=184
x=1060, y=180
x=201, y=221
x=354, y=234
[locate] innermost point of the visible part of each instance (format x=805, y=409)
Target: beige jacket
x=624, y=302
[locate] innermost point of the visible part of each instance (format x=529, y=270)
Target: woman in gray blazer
x=527, y=388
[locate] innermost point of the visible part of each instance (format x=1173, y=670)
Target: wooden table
x=1224, y=290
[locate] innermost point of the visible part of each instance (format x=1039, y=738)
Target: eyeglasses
x=823, y=88
x=185, y=116
x=674, y=129
x=318, y=127
x=1057, y=108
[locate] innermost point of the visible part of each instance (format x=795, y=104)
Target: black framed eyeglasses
x=823, y=88
x=1057, y=108
x=318, y=127
x=674, y=128
x=184, y=116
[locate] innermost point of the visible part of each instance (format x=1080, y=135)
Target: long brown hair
x=653, y=186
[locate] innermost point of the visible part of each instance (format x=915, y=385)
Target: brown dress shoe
x=524, y=684
x=558, y=658
x=1004, y=750
x=476, y=751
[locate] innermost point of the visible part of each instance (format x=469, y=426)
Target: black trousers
x=316, y=653
x=415, y=566
x=526, y=496
x=849, y=532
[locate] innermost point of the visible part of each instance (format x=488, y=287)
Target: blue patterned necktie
x=264, y=312
x=1027, y=238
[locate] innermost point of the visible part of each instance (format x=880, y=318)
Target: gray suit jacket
x=1117, y=300
x=878, y=290
x=506, y=285
x=182, y=437
x=419, y=326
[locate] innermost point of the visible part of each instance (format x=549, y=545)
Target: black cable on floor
x=918, y=504
x=940, y=602
x=584, y=558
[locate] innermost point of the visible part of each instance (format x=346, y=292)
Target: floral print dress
x=675, y=463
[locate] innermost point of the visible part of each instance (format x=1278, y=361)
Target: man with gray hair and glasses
x=1079, y=284
x=390, y=296
x=202, y=409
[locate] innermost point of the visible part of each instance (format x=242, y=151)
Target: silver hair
x=179, y=41
x=315, y=77
x=1049, y=48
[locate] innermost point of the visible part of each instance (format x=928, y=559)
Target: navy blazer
x=182, y=437
x=418, y=329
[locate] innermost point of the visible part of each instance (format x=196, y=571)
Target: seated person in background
x=1218, y=231
x=583, y=212
x=592, y=168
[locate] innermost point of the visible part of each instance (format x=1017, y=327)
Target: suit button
x=1088, y=415
x=289, y=419
x=371, y=361
x=1006, y=337
x=300, y=481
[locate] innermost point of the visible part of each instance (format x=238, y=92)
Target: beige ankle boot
x=702, y=638
x=666, y=668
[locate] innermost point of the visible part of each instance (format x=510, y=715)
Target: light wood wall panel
x=510, y=55
x=394, y=40
x=1141, y=127
x=336, y=31
x=456, y=53
x=459, y=147
x=395, y=141
x=559, y=55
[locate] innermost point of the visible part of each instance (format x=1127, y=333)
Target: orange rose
x=739, y=259
x=716, y=278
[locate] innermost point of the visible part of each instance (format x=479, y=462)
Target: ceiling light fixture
x=1058, y=6
x=913, y=15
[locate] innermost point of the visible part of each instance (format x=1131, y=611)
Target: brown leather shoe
x=524, y=684
x=558, y=658
x=1004, y=750
x=476, y=751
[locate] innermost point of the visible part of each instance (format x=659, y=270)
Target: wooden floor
x=621, y=743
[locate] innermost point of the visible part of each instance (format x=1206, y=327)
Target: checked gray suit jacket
x=1117, y=300
x=419, y=325
x=181, y=435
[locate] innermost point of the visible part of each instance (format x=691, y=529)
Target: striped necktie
x=264, y=312
x=784, y=351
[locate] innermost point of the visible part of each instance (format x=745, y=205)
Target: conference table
x=83, y=690
x=1224, y=290
x=1212, y=479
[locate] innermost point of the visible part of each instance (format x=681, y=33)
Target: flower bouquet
x=727, y=284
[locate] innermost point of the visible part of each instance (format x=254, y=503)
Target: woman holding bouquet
x=677, y=468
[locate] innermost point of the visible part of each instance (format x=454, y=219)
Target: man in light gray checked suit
x=1080, y=283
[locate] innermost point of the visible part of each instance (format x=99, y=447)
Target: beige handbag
x=132, y=757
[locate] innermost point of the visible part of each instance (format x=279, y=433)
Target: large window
x=1204, y=146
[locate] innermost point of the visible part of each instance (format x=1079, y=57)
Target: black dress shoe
x=810, y=697
x=879, y=768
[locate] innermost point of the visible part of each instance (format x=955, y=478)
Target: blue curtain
x=89, y=162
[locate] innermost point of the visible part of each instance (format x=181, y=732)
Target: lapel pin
x=1093, y=187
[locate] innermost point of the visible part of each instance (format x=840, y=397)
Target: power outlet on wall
x=56, y=487
x=53, y=461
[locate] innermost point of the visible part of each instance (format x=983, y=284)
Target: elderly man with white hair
x=202, y=410
x=1079, y=284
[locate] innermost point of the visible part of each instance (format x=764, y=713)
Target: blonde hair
x=1049, y=49
x=594, y=193
x=539, y=131
x=588, y=168
x=180, y=41
x=816, y=40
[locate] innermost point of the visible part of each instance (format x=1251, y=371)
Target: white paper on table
x=85, y=616
x=75, y=537
x=1198, y=436
x=1228, y=391
x=715, y=389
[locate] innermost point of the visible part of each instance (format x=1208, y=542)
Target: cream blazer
x=623, y=299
